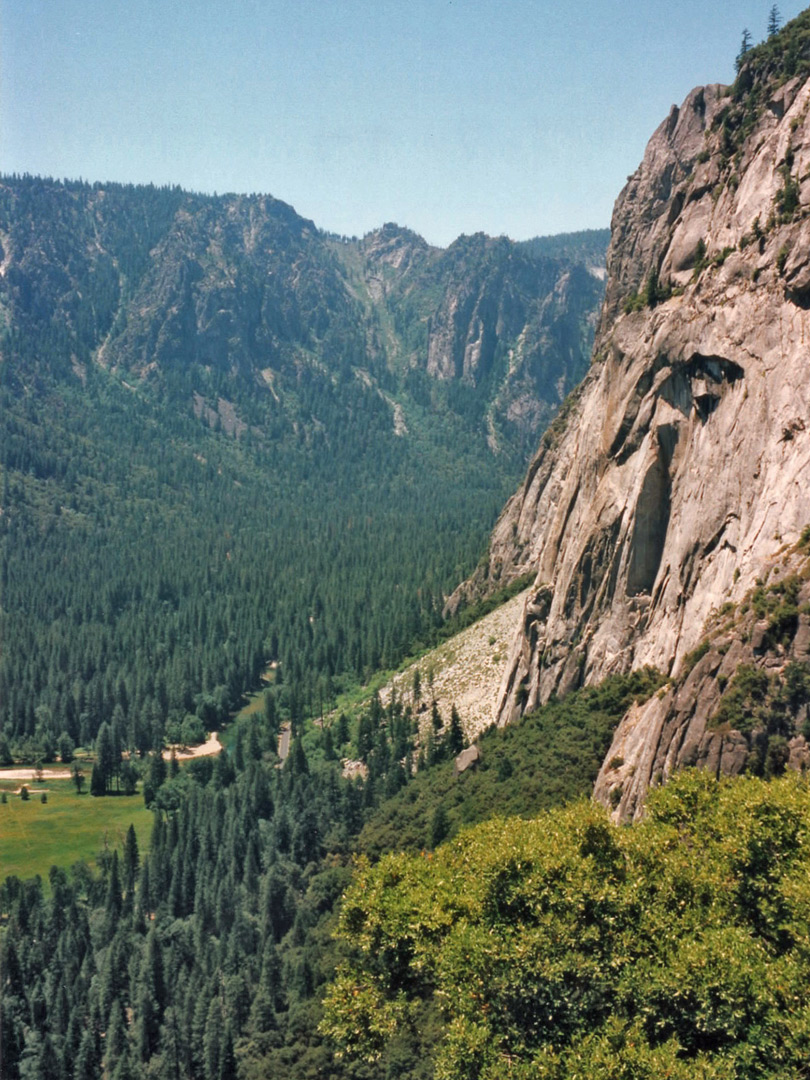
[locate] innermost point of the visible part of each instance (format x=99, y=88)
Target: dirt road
x=212, y=745
x=32, y=775
x=284, y=742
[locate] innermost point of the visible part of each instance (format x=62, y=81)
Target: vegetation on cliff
x=566, y=947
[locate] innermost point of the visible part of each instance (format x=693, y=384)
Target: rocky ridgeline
x=494, y=315
x=226, y=301
x=680, y=467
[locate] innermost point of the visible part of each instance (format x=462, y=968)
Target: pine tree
x=131, y=861
x=270, y=713
x=455, y=737
x=6, y=757
x=428, y=751
x=124, y=1070
x=297, y=764
x=439, y=826
x=77, y=776
x=88, y=1057
x=774, y=21
x=213, y=1041
x=745, y=46
x=105, y=758
x=97, y=784
x=435, y=717
x=150, y=998
x=66, y=748
x=113, y=901
x=239, y=749
x=170, y=1046
x=342, y=730
x=328, y=744
x=115, y=1039
x=199, y=1021
x=50, y=1067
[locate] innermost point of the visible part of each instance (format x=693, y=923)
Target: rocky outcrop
x=740, y=702
x=681, y=466
x=512, y=325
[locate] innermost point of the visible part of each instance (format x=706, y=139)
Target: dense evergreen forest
x=228, y=440
x=208, y=956
x=232, y=446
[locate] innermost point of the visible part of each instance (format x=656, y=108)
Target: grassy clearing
x=68, y=828
x=255, y=704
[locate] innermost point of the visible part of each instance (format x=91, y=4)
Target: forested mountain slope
x=676, y=478
x=206, y=957
x=223, y=445
x=562, y=947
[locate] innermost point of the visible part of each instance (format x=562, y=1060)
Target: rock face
x=506, y=322
x=239, y=299
x=747, y=676
x=681, y=466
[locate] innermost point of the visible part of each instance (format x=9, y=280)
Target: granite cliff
x=228, y=303
x=675, y=480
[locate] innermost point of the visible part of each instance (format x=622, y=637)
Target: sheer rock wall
x=682, y=464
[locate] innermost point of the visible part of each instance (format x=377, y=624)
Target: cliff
x=506, y=322
x=677, y=474
x=238, y=299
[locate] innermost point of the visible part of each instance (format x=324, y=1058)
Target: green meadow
x=66, y=829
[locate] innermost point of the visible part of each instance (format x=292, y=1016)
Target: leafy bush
x=741, y=705
x=565, y=947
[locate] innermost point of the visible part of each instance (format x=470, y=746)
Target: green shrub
x=692, y=657
x=565, y=947
x=740, y=707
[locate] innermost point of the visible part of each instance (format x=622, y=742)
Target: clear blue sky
x=447, y=116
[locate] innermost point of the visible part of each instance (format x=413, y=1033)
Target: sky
x=515, y=117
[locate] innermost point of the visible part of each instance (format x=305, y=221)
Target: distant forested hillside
x=588, y=247
x=228, y=439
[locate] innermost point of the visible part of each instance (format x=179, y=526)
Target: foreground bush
x=567, y=947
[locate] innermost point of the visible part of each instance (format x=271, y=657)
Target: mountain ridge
x=200, y=399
